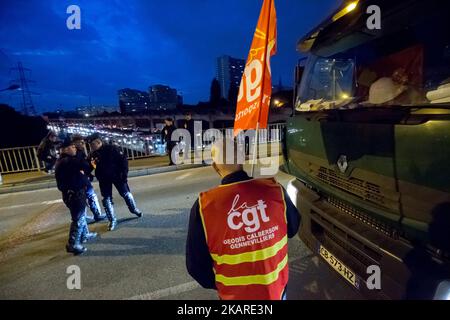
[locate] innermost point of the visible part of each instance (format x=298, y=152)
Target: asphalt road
x=143, y=259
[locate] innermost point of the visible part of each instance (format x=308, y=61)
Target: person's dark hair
x=169, y=119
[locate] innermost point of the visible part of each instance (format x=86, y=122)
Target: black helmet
x=66, y=142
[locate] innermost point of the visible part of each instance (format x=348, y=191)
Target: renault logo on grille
x=342, y=163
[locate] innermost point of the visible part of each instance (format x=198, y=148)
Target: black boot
x=85, y=234
x=90, y=219
x=132, y=204
x=109, y=210
x=94, y=206
x=74, y=246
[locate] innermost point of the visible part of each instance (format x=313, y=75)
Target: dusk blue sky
x=136, y=44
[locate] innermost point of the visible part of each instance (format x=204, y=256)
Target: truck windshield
x=329, y=81
x=407, y=68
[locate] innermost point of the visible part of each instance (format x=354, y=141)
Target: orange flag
x=256, y=84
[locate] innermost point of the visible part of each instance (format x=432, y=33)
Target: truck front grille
x=362, y=189
x=330, y=239
x=366, y=219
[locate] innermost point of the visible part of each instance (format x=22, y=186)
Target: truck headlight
x=292, y=192
x=443, y=291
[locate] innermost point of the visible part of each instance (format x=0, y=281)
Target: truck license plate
x=337, y=265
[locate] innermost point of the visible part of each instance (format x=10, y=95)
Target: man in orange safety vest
x=238, y=231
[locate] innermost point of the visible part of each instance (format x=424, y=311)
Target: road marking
x=53, y=202
x=183, y=176
x=158, y=294
x=32, y=204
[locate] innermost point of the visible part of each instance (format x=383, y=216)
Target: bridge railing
x=24, y=159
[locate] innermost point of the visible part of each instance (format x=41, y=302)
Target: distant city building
x=179, y=99
x=133, y=101
x=88, y=111
x=163, y=97
x=280, y=87
x=229, y=72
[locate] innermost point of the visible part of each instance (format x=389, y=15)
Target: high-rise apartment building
x=133, y=101
x=163, y=97
x=229, y=72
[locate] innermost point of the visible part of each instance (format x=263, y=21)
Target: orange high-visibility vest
x=246, y=231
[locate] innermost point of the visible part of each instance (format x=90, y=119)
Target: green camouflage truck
x=369, y=145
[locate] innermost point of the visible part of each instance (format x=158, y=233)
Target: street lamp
x=278, y=103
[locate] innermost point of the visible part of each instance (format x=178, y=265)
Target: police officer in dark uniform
x=46, y=151
x=189, y=126
x=92, y=199
x=167, y=132
x=72, y=182
x=111, y=168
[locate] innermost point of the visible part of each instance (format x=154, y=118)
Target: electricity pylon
x=27, y=102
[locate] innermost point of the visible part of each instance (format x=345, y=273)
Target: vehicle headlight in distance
x=443, y=291
x=292, y=192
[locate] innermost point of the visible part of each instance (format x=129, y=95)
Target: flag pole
x=255, y=148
